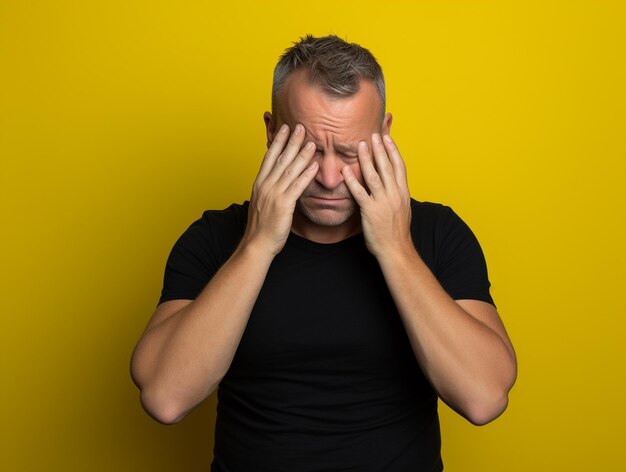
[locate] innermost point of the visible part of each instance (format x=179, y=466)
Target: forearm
x=470, y=365
x=180, y=360
x=466, y=356
x=187, y=355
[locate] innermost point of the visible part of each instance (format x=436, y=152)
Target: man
x=332, y=310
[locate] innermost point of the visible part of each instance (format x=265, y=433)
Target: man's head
x=334, y=65
x=336, y=90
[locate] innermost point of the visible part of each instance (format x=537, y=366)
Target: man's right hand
x=188, y=345
x=285, y=173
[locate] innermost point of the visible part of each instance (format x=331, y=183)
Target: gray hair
x=333, y=64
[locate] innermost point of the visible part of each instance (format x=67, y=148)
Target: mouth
x=327, y=199
x=328, y=203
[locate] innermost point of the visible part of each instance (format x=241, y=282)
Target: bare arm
x=461, y=346
x=180, y=361
x=188, y=346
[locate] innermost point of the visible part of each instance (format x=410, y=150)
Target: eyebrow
x=344, y=148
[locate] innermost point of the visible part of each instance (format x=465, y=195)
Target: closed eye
x=342, y=155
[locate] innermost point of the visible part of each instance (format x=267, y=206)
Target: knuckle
x=264, y=192
x=256, y=188
x=384, y=167
x=302, y=157
x=294, y=140
x=372, y=178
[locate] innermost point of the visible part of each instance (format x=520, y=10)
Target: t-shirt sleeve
x=200, y=251
x=461, y=267
x=190, y=265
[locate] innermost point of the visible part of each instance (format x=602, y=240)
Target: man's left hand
x=386, y=208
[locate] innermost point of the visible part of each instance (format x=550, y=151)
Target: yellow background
x=121, y=121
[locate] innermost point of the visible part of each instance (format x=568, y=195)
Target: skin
x=325, y=193
x=326, y=211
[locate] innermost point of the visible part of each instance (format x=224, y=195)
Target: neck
x=326, y=234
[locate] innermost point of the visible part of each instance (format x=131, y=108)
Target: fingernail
x=284, y=128
x=387, y=138
x=309, y=146
x=376, y=138
x=298, y=128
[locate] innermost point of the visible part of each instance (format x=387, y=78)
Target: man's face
x=335, y=125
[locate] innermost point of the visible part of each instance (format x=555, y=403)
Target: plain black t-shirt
x=324, y=377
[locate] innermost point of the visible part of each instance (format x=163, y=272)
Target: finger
x=289, y=153
x=278, y=143
x=300, y=183
x=296, y=167
x=356, y=189
x=383, y=165
x=399, y=167
x=370, y=176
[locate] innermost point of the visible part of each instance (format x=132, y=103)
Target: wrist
x=394, y=255
x=255, y=250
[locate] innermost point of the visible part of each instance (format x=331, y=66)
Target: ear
x=270, y=127
x=387, y=123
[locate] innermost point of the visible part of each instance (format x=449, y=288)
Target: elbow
x=165, y=408
x=160, y=409
x=151, y=401
x=490, y=406
x=485, y=412
x=167, y=400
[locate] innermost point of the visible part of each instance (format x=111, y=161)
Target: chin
x=321, y=215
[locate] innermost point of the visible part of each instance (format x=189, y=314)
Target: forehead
x=353, y=118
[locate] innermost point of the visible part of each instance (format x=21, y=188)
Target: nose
x=329, y=171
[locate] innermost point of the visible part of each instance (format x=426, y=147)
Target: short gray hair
x=333, y=64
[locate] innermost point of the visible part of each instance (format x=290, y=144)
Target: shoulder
x=214, y=235
x=228, y=220
x=200, y=251
x=450, y=248
x=428, y=210
x=431, y=217
x=438, y=232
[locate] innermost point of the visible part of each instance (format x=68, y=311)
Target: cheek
x=356, y=170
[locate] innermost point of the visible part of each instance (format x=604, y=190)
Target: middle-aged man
x=332, y=309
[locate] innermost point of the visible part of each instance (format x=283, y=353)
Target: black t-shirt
x=324, y=378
